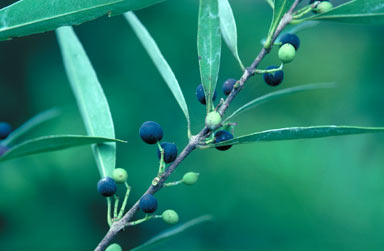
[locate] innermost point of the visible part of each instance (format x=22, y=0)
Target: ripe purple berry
x=290, y=38
x=148, y=203
x=228, y=86
x=106, y=186
x=151, y=132
x=200, y=94
x=221, y=136
x=274, y=78
x=5, y=130
x=170, y=152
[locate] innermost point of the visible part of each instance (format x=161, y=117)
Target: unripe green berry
x=170, y=216
x=287, y=53
x=120, y=175
x=323, y=7
x=213, y=120
x=114, y=247
x=190, y=178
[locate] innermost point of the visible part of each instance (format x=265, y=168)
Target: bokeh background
x=319, y=194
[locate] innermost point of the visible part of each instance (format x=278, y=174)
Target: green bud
x=119, y=175
x=287, y=53
x=170, y=216
x=190, y=178
x=213, y=120
x=114, y=247
x=323, y=7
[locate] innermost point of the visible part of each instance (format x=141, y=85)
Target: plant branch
x=194, y=140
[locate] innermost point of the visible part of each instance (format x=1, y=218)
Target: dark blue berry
x=292, y=39
x=3, y=149
x=201, y=95
x=5, y=130
x=151, y=132
x=221, y=136
x=170, y=152
x=274, y=78
x=148, y=203
x=106, y=186
x=228, y=86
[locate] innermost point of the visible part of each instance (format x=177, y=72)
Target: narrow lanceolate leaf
x=90, y=98
x=27, y=17
x=228, y=28
x=355, y=11
x=253, y=103
x=30, y=125
x=280, y=8
x=159, y=61
x=300, y=133
x=209, y=47
x=172, y=232
x=52, y=143
x=271, y=3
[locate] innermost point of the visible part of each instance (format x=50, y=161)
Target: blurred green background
x=321, y=194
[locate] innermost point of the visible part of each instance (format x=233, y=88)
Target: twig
x=194, y=140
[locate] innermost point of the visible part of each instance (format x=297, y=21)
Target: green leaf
x=356, y=11
x=280, y=8
x=30, y=124
x=228, y=28
x=300, y=133
x=172, y=232
x=209, y=47
x=159, y=61
x=52, y=143
x=271, y=3
x=90, y=98
x=27, y=17
x=277, y=94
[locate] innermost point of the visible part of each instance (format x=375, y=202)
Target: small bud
x=170, y=216
x=119, y=175
x=323, y=7
x=114, y=247
x=287, y=53
x=213, y=120
x=190, y=178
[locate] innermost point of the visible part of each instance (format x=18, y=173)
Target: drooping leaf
x=90, y=98
x=280, y=8
x=300, y=133
x=253, y=103
x=52, y=143
x=27, y=17
x=209, y=47
x=228, y=28
x=158, y=59
x=355, y=11
x=30, y=124
x=172, y=232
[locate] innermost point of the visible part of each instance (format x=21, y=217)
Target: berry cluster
x=290, y=43
x=213, y=119
x=152, y=133
x=227, y=87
